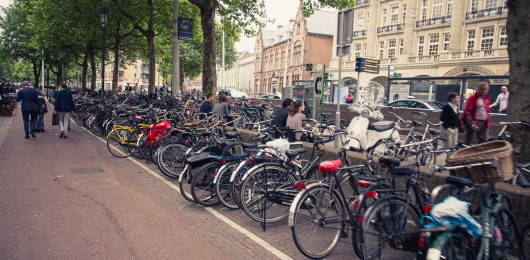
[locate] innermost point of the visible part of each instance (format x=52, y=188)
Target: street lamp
x=104, y=15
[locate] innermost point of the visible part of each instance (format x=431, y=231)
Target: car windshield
x=436, y=104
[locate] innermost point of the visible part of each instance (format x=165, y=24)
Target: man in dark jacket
x=206, y=107
x=280, y=117
x=28, y=96
x=64, y=105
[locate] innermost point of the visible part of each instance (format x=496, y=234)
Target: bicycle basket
x=485, y=152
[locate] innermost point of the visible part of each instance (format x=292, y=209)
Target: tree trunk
x=85, y=72
x=36, y=72
x=93, y=68
x=209, y=77
x=151, y=48
x=59, y=75
x=116, y=59
x=518, y=30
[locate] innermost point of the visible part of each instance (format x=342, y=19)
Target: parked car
x=416, y=104
x=271, y=96
x=233, y=93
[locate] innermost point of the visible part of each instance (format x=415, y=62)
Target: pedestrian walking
x=502, y=100
x=43, y=110
x=64, y=105
x=28, y=96
x=450, y=120
x=477, y=113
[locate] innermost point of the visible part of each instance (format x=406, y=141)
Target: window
x=488, y=4
x=449, y=12
x=364, y=48
x=357, y=50
x=277, y=61
x=424, y=10
x=297, y=55
x=280, y=84
x=421, y=42
x=401, y=103
x=470, y=40
x=401, y=46
x=282, y=62
x=434, y=40
x=367, y=19
x=134, y=75
x=381, y=49
x=404, y=13
x=447, y=38
x=298, y=29
x=266, y=61
x=394, y=17
x=145, y=75
x=474, y=5
x=383, y=17
x=416, y=104
x=296, y=77
x=437, y=8
x=120, y=73
x=486, y=42
x=258, y=67
x=391, y=49
x=360, y=21
x=503, y=37
x=135, y=66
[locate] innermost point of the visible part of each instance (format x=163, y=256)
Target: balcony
x=390, y=28
x=436, y=20
x=359, y=2
x=360, y=33
x=476, y=54
x=486, y=12
x=426, y=58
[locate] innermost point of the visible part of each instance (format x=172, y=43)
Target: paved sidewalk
x=64, y=199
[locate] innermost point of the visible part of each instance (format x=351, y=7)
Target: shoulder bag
x=33, y=109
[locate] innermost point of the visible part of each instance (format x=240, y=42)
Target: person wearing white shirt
x=502, y=100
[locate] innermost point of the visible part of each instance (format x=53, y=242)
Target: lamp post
x=104, y=15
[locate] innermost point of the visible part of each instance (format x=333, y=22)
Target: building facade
x=281, y=55
x=427, y=38
x=240, y=75
x=134, y=74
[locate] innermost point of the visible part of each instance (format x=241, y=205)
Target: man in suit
x=64, y=105
x=28, y=96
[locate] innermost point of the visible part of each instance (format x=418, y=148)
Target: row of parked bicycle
x=387, y=215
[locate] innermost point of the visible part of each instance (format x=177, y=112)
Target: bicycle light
x=361, y=219
x=371, y=194
x=364, y=184
x=427, y=208
x=250, y=159
x=355, y=204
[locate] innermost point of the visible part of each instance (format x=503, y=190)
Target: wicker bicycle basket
x=485, y=152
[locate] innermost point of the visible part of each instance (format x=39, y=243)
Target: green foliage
x=309, y=6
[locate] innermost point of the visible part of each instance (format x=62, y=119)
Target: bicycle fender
x=218, y=175
x=239, y=167
x=296, y=199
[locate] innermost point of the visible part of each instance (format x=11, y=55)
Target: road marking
x=273, y=250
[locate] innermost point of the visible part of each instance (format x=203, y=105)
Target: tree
x=518, y=30
x=240, y=16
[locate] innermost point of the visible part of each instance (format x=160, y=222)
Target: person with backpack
x=28, y=96
x=43, y=109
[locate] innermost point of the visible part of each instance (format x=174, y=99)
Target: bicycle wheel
x=171, y=159
x=507, y=242
x=223, y=186
x=203, y=187
x=237, y=181
x=267, y=193
x=383, y=226
x=185, y=185
x=317, y=221
x=132, y=142
x=115, y=145
x=446, y=246
x=96, y=128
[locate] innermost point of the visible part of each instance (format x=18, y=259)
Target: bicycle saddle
x=329, y=166
x=249, y=146
x=416, y=123
x=294, y=152
x=435, y=132
x=232, y=135
x=458, y=181
x=390, y=162
x=405, y=170
x=381, y=126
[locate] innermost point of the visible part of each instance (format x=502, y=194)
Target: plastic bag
x=279, y=145
x=453, y=211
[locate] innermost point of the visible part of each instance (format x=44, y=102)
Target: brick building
x=281, y=55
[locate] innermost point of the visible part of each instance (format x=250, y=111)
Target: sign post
x=365, y=65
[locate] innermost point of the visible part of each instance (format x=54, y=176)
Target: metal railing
x=487, y=12
x=436, y=20
x=390, y=28
x=360, y=33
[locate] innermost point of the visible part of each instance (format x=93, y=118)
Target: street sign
x=185, y=26
x=318, y=83
x=397, y=75
x=367, y=65
x=309, y=67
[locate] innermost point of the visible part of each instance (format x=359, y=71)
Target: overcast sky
x=280, y=10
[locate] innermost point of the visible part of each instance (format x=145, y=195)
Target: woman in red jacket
x=477, y=113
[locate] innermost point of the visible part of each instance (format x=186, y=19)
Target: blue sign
x=185, y=29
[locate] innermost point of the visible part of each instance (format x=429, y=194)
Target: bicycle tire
x=115, y=145
x=223, y=186
x=185, y=185
x=317, y=221
x=384, y=148
x=132, y=142
x=387, y=218
x=525, y=237
x=171, y=159
x=507, y=243
x=279, y=181
x=202, y=185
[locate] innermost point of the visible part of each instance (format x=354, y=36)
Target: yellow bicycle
x=123, y=140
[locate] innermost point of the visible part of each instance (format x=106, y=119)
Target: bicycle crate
x=485, y=152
